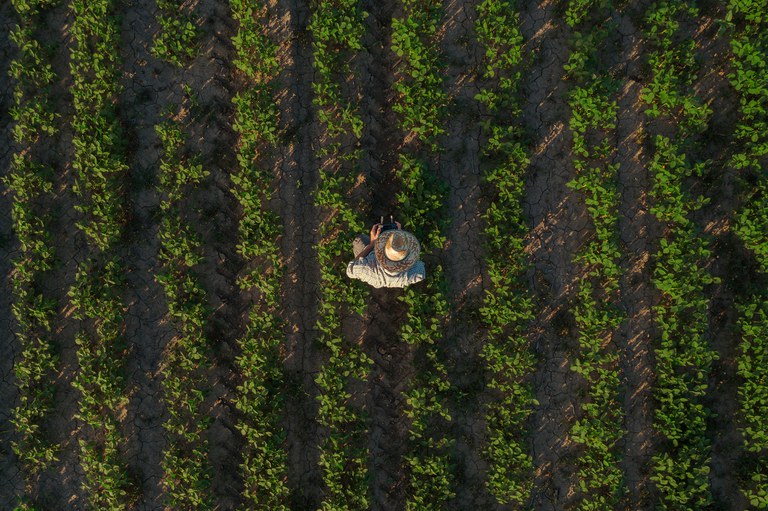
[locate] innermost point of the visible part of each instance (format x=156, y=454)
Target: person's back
x=387, y=259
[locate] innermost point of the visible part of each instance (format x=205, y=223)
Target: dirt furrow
x=392, y=358
x=11, y=479
x=215, y=211
x=715, y=220
x=459, y=168
x=146, y=91
x=638, y=231
x=560, y=226
x=297, y=169
x=388, y=429
x=380, y=139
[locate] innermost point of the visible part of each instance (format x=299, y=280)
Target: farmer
x=387, y=259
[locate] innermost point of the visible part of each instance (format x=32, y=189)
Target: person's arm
x=375, y=231
x=417, y=273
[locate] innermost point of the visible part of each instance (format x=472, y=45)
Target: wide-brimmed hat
x=396, y=250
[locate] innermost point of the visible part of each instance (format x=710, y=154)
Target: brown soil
x=560, y=226
x=152, y=86
x=213, y=208
x=460, y=169
x=639, y=234
x=297, y=168
x=392, y=359
x=146, y=86
x=388, y=431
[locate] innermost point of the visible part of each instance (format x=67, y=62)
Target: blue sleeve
x=419, y=273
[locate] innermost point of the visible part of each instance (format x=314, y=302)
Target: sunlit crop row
x=600, y=426
x=683, y=355
x=337, y=28
x=30, y=182
x=260, y=397
x=100, y=168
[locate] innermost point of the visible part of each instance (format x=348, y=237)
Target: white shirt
x=368, y=270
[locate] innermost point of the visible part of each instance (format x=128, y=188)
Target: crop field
x=180, y=185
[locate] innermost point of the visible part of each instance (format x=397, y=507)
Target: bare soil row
x=558, y=221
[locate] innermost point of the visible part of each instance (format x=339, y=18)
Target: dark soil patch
x=297, y=171
x=560, y=227
x=459, y=168
x=639, y=233
x=387, y=436
x=147, y=83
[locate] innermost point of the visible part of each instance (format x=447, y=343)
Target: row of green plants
x=683, y=355
x=422, y=101
x=429, y=458
x=99, y=171
x=178, y=39
x=337, y=27
x=507, y=308
x=30, y=183
x=599, y=427
x=668, y=94
x=187, y=471
x=752, y=367
x=577, y=11
x=420, y=105
x=260, y=397
x=749, y=44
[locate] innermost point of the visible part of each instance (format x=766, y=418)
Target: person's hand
x=375, y=231
x=398, y=224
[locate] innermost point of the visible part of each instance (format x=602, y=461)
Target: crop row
x=753, y=396
x=420, y=106
x=99, y=169
x=30, y=184
x=683, y=356
x=578, y=11
x=507, y=306
x=260, y=396
x=421, y=86
x=749, y=44
x=337, y=28
x=177, y=41
x=601, y=424
x=187, y=471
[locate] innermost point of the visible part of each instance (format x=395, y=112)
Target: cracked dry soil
x=557, y=217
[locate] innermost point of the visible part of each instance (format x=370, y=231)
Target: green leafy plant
x=683, y=356
x=337, y=29
x=420, y=106
x=260, y=396
x=187, y=471
x=673, y=64
x=599, y=425
x=507, y=305
x=422, y=99
x=748, y=25
x=177, y=41
x=99, y=168
x=30, y=183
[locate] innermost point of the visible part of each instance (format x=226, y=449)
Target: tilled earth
x=558, y=220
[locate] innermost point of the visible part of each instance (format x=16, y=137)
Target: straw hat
x=396, y=250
